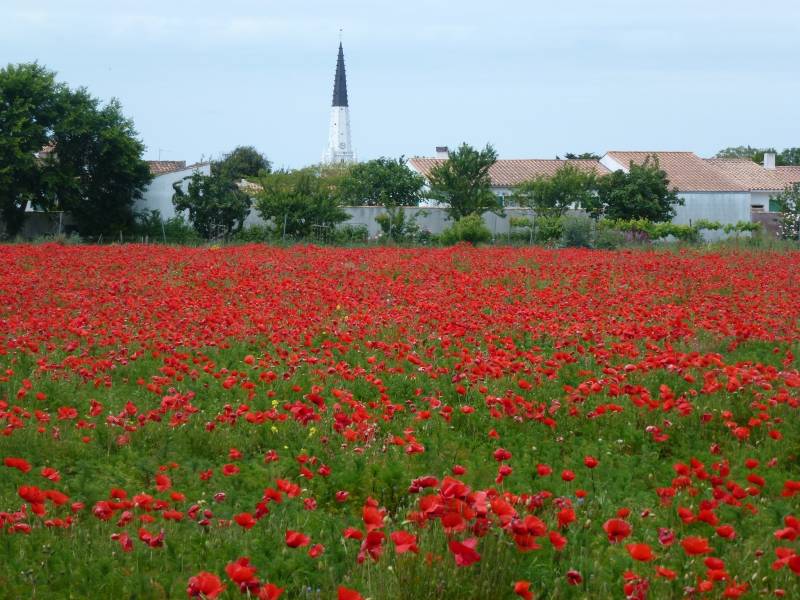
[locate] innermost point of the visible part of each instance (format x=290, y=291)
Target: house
x=722, y=190
x=158, y=195
x=506, y=174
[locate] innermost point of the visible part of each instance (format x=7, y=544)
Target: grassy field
x=398, y=423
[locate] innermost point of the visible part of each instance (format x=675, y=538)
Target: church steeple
x=340, y=148
x=340, y=81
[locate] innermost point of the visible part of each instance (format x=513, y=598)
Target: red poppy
x=617, y=530
x=348, y=594
x=295, y=539
x=693, y=545
x=641, y=552
x=522, y=589
x=404, y=542
x=464, y=552
x=206, y=585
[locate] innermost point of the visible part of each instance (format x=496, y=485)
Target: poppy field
x=388, y=423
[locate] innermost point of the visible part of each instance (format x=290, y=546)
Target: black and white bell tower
x=340, y=146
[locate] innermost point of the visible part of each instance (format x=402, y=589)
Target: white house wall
x=158, y=195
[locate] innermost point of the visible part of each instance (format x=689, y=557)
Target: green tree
x=241, y=163
x=215, y=204
x=299, y=203
x=382, y=182
x=463, y=184
x=553, y=196
x=96, y=171
x=641, y=193
x=788, y=157
x=29, y=107
x=389, y=183
x=754, y=154
x=92, y=167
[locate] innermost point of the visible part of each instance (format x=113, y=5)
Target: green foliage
x=253, y=234
x=788, y=156
x=242, y=162
x=93, y=166
x=302, y=202
x=548, y=229
x=576, y=231
x=470, y=228
x=96, y=172
x=754, y=154
x=642, y=193
x=29, y=97
x=568, y=188
x=608, y=238
x=382, y=182
x=462, y=182
x=175, y=230
x=216, y=205
x=789, y=202
x=582, y=156
x=350, y=234
x=398, y=225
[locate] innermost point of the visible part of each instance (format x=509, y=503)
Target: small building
x=158, y=195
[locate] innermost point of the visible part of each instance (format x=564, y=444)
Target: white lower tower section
x=340, y=146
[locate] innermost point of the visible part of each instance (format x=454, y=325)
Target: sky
x=535, y=79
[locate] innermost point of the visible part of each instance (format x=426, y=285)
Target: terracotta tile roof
x=161, y=167
x=753, y=176
x=511, y=172
x=685, y=170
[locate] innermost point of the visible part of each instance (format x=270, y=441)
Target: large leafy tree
x=93, y=166
x=29, y=107
x=301, y=202
x=462, y=182
x=388, y=183
x=216, y=205
x=382, y=182
x=641, y=193
x=552, y=196
x=241, y=163
x=96, y=172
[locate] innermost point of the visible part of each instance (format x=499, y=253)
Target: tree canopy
x=216, y=205
x=300, y=202
x=462, y=182
x=382, y=182
x=641, y=193
x=552, y=196
x=241, y=163
x=92, y=164
x=786, y=157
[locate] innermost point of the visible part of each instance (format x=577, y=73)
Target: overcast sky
x=534, y=78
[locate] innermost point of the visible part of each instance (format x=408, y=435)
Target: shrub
x=350, y=234
x=548, y=229
x=608, y=238
x=470, y=229
x=172, y=231
x=253, y=234
x=577, y=232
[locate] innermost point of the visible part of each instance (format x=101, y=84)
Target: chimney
x=769, y=160
x=442, y=152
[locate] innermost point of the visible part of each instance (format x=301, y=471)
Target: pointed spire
x=340, y=82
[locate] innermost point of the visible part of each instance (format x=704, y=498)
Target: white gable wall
x=158, y=195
